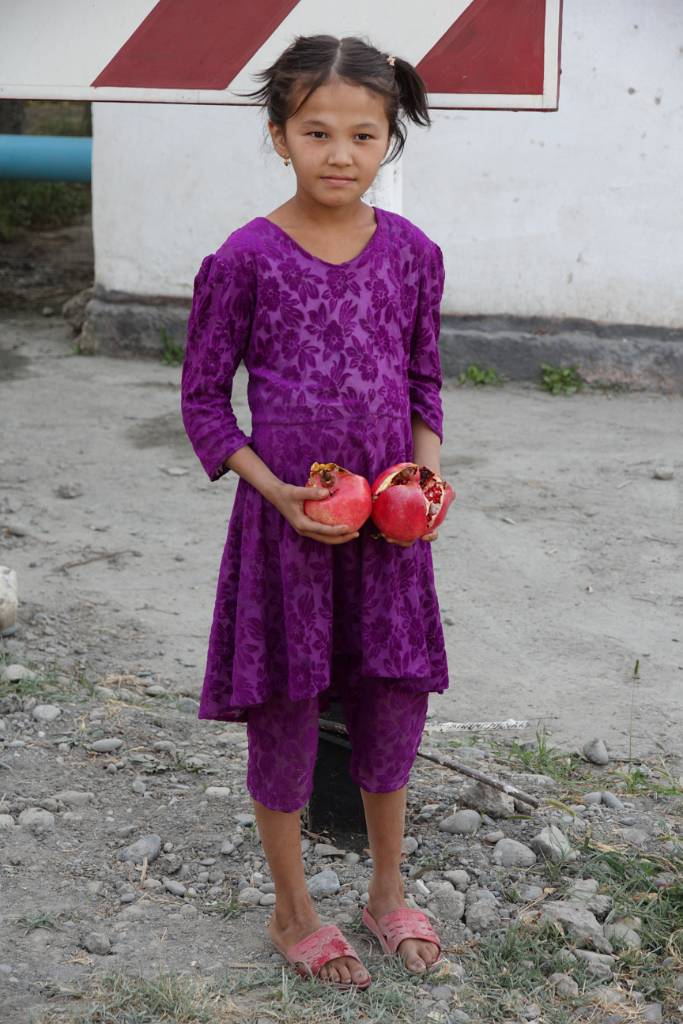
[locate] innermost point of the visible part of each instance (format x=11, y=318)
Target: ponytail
x=310, y=61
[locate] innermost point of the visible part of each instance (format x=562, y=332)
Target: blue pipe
x=46, y=157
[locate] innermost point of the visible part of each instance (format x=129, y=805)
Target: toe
x=343, y=972
x=359, y=975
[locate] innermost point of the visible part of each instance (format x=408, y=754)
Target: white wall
x=573, y=213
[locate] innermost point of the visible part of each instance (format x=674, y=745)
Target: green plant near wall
x=172, y=353
x=479, y=375
x=561, y=380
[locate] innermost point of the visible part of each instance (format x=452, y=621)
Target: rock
x=249, y=897
x=610, y=800
x=459, y=878
x=74, y=797
x=6, y=821
x=9, y=601
x=69, y=490
x=564, y=985
x=217, y=792
x=46, y=712
x=409, y=845
x=106, y=746
x=652, y=1012
x=17, y=674
x=595, y=751
x=585, y=889
x=147, y=846
x=663, y=471
x=481, y=915
x=529, y=893
x=464, y=822
x=96, y=942
x=446, y=902
x=351, y=858
x=37, y=820
x=600, y=965
x=326, y=850
x=580, y=924
x=491, y=838
x=324, y=883
x=175, y=888
x=595, y=797
x=245, y=819
x=623, y=935
x=635, y=836
x=511, y=853
x=488, y=800
x=552, y=844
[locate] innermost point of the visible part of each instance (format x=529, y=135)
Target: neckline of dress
x=366, y=248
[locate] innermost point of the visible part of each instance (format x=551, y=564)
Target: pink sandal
x=397, y=925
x=317, y=949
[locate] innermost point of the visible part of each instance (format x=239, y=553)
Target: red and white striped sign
x=486, y=54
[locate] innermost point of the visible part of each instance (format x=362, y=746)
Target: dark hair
x=312, y=60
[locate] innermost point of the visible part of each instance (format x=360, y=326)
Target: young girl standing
x=334, y=307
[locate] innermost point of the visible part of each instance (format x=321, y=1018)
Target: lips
x=335, y=177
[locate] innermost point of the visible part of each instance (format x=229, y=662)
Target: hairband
x=391, y=60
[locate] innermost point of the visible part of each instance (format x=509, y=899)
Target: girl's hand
x=408, y=543
x=289, y=500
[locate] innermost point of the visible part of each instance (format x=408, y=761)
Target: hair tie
x=391, y=60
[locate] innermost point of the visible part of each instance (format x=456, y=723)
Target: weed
x=541, y=759
x=561, y=380
x=172, y=352
x=478, y=375
x=41, y=205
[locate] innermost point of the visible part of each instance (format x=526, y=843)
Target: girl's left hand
x=408, y=543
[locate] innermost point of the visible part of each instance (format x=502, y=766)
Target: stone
x=623, y=935
x=511, y=853
x=267, y=899
x=600, y=965
x=242, y=818
x=610, y=800
x=445, y=901
x=552, y=844
x=464, y=822
x=595, y=751
x=409, y=845
x=663, y=471
x=327, y=850
x=96, y=942
x=74, y=797
x=635, y=836
x=9, y=601
x=249, y=896
x=148, y=846
x=488, y=800
x=217, y=792
x=458, y=878
x=46, y=712
x=594, y=797
x=69, y=490
x=106, y=746
x=585, y=889
x=652, y=1012
x=17, y=674
x=564, y=985
x=482, y=915
x=37, y=820
x=175, y=888
x=577, y=921
x=6, y=821
x=324, y=883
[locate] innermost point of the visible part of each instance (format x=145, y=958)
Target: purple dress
x=338, y=356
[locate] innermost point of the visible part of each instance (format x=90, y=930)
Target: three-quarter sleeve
x=218, y=330
x=424, y=366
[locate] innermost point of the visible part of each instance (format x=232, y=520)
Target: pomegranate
x=409, y=501
x=349, y=502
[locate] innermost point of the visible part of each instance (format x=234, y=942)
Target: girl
x=334, y=306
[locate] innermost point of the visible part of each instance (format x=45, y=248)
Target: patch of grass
x=478, y=375
x=561, y=380
x=172, y=352
x=41, y=205
x=542, y=759
x=51, y=682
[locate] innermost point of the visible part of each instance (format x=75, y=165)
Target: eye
x=367, y=136
x=317, y=133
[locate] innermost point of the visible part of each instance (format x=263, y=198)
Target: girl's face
x=336, y=142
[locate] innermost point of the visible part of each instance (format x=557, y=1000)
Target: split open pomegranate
x=409, y=501
x=349, y=502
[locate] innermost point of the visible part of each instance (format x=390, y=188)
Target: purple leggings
x=384, y=721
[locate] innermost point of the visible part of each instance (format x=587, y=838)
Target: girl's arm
x=426, y=444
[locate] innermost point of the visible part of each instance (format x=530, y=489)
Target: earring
x=286, y=161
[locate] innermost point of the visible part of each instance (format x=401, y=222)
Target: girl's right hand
x=289, y=500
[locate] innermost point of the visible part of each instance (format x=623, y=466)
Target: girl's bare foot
x=417, y=954
x=288, y=929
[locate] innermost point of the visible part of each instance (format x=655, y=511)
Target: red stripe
x=494, y=47
x=194, y=44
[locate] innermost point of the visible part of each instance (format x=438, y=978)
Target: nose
x=339, y=155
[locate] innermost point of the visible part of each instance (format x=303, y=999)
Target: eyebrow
x=363, y=124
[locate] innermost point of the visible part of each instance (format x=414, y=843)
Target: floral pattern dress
x=338, y=356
